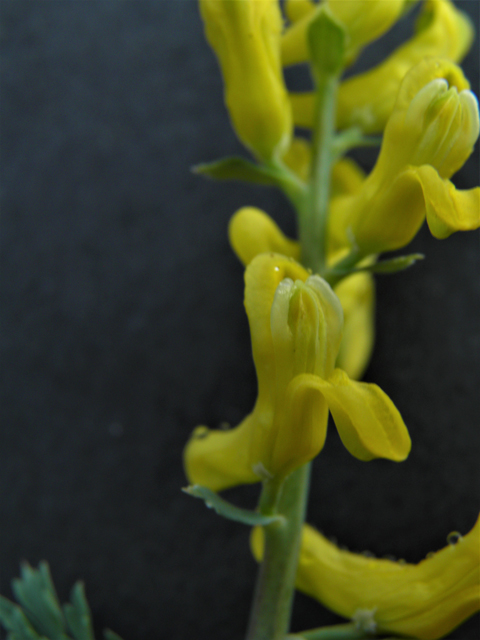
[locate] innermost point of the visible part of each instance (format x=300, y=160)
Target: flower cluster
x=312, y=333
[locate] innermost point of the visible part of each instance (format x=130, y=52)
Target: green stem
x=313, y=219
x=349, y=631
x=273, y=599
x=352, y=138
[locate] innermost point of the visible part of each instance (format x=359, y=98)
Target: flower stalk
x=313, y=220
x=273, y=598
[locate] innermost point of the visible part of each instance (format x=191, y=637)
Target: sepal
x=326, y=42
x=237, y=168
x=393, y=265
x=228, y=510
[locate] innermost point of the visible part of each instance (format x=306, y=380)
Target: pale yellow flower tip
x=251, y=231
x=364, y=21
x=357, y=297
x=424, y=601
x=245, y=36
x=435, y=121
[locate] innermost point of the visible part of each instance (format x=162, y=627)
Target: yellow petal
x=262, y=277
x=448, y=209
x=368, y=423
x=379, y=220
x=245, y=36
x=301, y=428
x=357, y=297
x=220, y=459
x=297, y=158
x=295, y=10
x=347, y=177
x=439, y=127
x=425, y=600
x=303, y=105
x=364, y=20
x=251, y=232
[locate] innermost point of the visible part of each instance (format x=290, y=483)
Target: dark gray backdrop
x=123, y=328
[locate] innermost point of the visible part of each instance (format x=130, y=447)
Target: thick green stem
x=313, y=219
x=273, y=599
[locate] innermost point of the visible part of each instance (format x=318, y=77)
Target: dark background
x=123, y=328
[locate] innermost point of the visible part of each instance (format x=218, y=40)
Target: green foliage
x=39, y=615
x=228, y=510
x=236, y=168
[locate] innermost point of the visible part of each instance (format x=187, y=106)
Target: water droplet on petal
x=430, y=554
x=402, y=561
x=276, y=269
x=454, y=537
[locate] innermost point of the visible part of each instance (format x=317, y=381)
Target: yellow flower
x=428, y=137
x=425, y=600
x=295, y=324
x=367, y=99
x=245, y=35
x=252, y=231
x=364, y=21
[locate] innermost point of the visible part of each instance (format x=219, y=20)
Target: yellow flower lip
x=425, y=600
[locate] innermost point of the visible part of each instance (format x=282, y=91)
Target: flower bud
x=245, y=35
